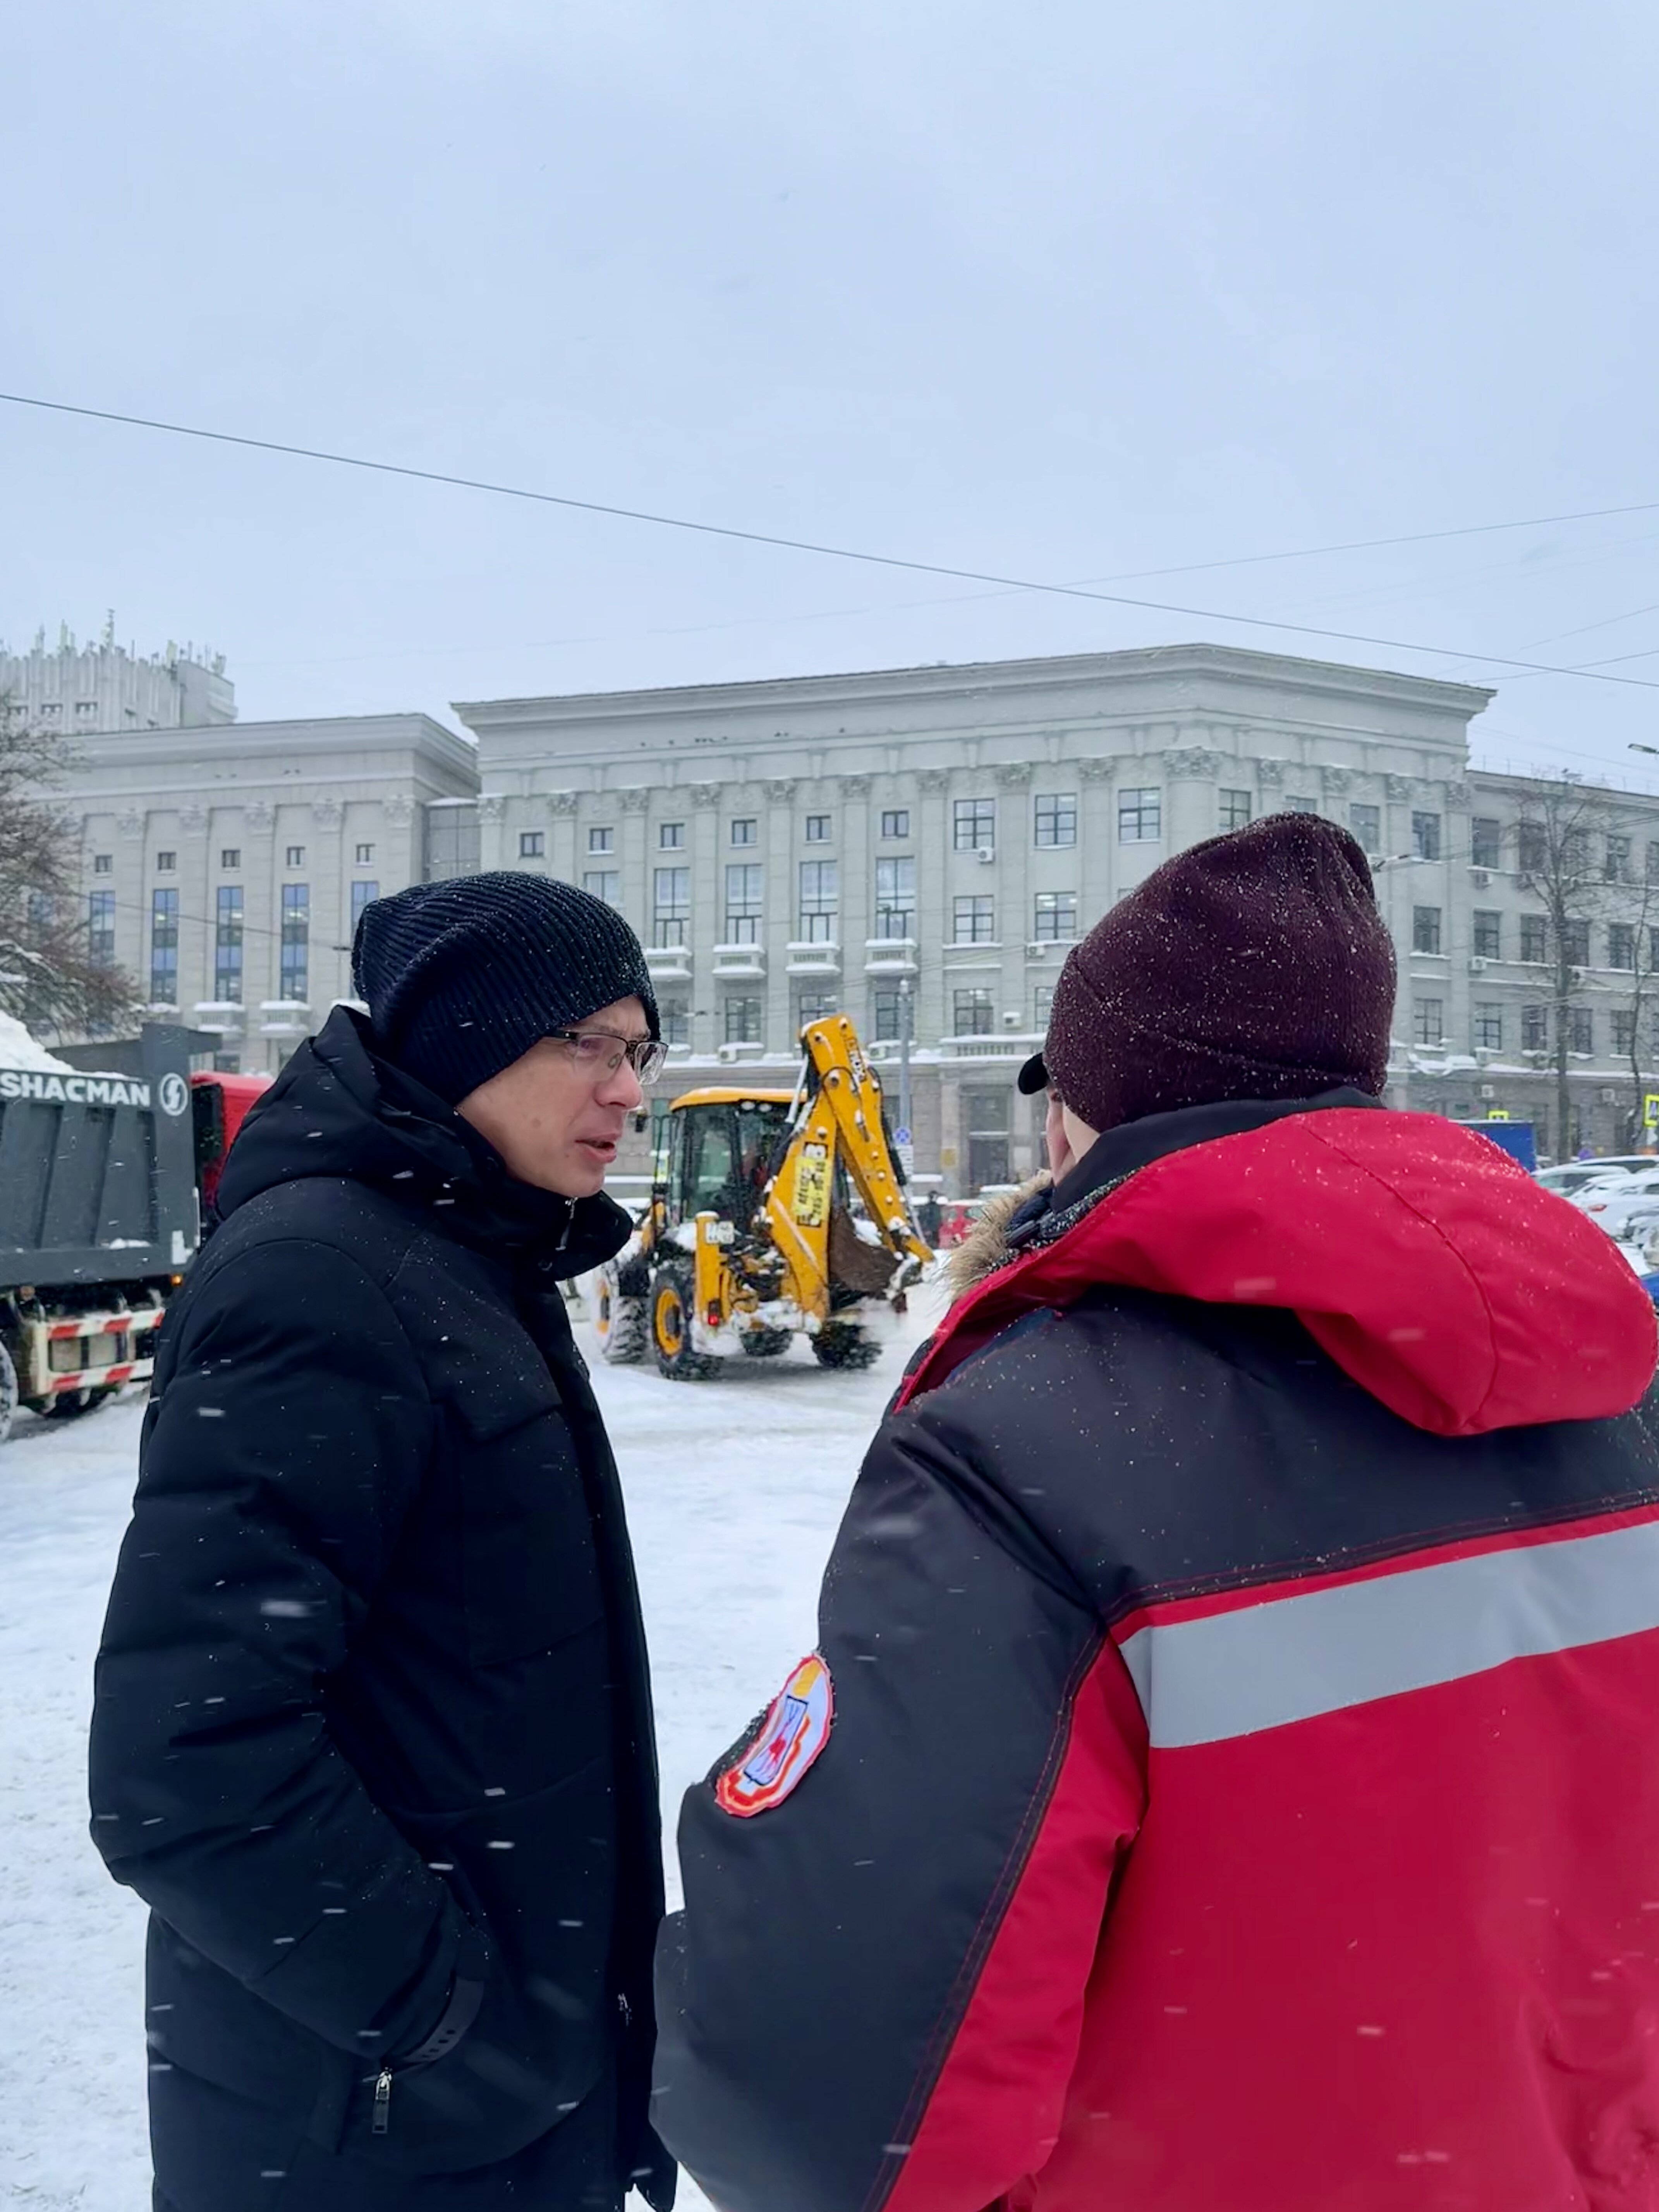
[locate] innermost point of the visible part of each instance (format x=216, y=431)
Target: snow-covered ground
x=734, y=1489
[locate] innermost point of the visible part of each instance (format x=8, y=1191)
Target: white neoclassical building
x=224, y=865
x=841, y=841
x=918, y=846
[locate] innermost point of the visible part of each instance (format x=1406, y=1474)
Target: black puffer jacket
x=372, y=1733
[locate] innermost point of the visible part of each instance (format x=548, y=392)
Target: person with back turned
x=1228, y=1777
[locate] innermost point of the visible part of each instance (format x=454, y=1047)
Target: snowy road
x=734, y=1491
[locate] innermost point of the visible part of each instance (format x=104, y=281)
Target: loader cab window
x=720, y=1158
x=708, y=1180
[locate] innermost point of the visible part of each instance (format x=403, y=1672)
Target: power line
x=878, y=560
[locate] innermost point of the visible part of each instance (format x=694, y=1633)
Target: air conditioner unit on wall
x=1477, y=964
x=1480, y=877
x=988, y=852
x=1608, y=1095
x=1489, y=1091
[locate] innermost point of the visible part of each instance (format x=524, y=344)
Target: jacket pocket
x=530, y=1572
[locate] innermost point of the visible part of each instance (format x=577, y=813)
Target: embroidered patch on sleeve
x=795, y=1730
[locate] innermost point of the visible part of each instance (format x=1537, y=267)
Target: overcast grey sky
x=1064, y=289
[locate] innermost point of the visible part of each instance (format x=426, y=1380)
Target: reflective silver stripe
x=1231, y=1673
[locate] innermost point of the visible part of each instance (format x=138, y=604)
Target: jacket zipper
x=382, y=2120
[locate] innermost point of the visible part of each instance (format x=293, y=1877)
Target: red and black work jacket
x=1228, y=1780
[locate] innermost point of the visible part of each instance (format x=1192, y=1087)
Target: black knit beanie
x=1255, y=965
x=461, y=978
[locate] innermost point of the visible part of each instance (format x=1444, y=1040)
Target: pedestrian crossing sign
x=1650, y=1110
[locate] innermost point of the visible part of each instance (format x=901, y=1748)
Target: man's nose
x=623, y=1087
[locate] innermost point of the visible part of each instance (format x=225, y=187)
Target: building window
x=671, y=905
x=1055, y=918
x=295, y=857
x=1534, y=1029
x=1652, y=876
x=227, y=946
x=988, y=1116
x=1489, y=1027
x=895, y=898
x=1486, y=836
x=670, y=836
x=1233, y=809
x=816, y=1006
x=1534, y=938
x=1617, y=865
x=1426, y=929
x=533, y=844
x=886, y=1015
x=675, y=1017
x=1366, y=822
x=365, y=856
x=974, y=920
x=165, y=863
x=972, y=1013
x=1426, y=836
x=1581, y=1031
x=1574, y=944
x=295, y=954
x=743, y=902
x=103, y=863
x=164, y=948
x=601, y=839
x=100, y=927
x=1139, y=816
x=604, y=883
x=974, y=825
x=896, y=822
x=226, y=1063
x=1488, y=935
x=1624, y=1031
x=230, y=856
x=746, y=831
x=363, y=890
x=743, y=1020
x=1429, y=1021
x=1532, y=848
x=1302, y=805
x=818, y=828
x=1621, y=944
x=1055, y=817
x=820, y=893
x=1042, y=999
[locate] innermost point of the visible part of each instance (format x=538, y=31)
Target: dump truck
x=101, y=1177
x=773, y=1215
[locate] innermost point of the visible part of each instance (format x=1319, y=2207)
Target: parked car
x=1573, y=1175
x=1615, y=1206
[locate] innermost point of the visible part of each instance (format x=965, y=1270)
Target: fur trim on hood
x=985, y=1245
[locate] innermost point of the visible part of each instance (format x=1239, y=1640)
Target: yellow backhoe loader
x=773, y=1212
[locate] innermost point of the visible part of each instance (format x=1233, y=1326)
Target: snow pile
x=19, y=1049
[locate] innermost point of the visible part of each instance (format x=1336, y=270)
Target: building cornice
x=240, y=743
x=1057, y=674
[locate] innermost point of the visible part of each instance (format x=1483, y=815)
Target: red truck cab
x=219, y=1106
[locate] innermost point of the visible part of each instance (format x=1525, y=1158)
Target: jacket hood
x=338, y=1109
x=1430, y=1267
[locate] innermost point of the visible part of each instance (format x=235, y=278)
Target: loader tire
x=843, y=1343
x=7, y=1393
x=672, y=1335
x=621, y=1323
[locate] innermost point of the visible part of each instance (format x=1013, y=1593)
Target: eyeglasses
x=600, y=1053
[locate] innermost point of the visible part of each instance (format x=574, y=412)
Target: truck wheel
x=621, y=1323
x=844, y=1344
x=764, y=1343
x=7, y=1393
x=66, y=1403
x=671, y=1337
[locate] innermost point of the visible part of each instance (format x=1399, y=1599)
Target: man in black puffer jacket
x=372, y=1733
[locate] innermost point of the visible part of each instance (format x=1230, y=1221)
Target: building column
x=708, y=922
x=779, y=886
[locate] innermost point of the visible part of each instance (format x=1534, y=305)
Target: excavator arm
x=839, y=1118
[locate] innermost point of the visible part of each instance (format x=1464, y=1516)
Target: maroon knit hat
x=1252, y=966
